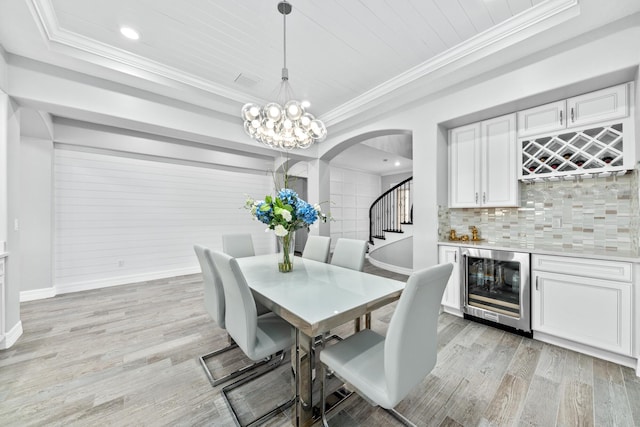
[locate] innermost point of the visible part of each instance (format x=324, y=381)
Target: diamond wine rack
x=586, y=151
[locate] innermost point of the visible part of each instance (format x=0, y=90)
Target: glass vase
x=286, y=250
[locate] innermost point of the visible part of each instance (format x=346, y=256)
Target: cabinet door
x=451, y=297
x=464, y=166
x=542, y=119
x=601, y=105
x=589, y=311
x=499, y=166
x=2, y=312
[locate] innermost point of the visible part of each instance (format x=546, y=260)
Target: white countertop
x=611, y=255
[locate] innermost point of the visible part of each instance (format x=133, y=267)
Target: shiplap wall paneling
x=119, y=219
x=352, y=193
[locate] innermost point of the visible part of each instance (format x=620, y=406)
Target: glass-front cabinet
x=495, y=287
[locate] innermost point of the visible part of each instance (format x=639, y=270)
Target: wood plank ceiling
x=336, y=50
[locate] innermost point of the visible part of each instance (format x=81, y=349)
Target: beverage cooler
x=496, y=288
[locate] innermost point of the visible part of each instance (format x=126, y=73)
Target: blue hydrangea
x=288, y=196
x=263, y=216
x=306, y=212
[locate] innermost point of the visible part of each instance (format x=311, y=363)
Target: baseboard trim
x=36, y=294
x=12, y=336
x=123, y=280
x=390, y=267
x=620, y=359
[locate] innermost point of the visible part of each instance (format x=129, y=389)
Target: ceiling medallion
x=283, y=124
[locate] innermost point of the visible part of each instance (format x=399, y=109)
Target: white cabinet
x=464, y=166
x=586, y=301
x=602, y=105
x=451, y=299
x=499, y=169
x=593, y=107
x=2, y=308
x=482, y=164
x=543, y=119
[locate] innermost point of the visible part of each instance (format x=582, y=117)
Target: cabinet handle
x=536, y=283
x=560, y=117
x=476, y=197
x=572, y=119
x=484, y=197
x=455, y=257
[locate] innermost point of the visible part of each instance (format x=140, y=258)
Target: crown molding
x=116, y=58
x=510, y=31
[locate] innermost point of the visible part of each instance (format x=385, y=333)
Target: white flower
x=286, y=215
x=317, y=207
x=280, y=231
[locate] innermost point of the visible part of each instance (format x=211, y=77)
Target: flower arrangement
x=284, y=214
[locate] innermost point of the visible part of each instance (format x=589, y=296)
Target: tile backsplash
x=600, y=213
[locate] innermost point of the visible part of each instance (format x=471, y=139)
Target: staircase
x=389, y=212
x=391, y=229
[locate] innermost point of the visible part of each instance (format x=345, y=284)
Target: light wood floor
x=127, y=355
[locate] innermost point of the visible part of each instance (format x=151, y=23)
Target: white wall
x=11, y=117
x=121, y=220
x=36, y=235
x=352, y=193
x=4, y=106
x=3, y=71
x=570, y=65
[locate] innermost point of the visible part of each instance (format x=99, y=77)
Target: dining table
x=314, y=298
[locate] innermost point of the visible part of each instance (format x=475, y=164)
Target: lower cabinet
x=2, y=308
x=583, y=300
x=451, y=299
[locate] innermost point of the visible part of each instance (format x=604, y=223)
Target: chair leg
x=241, y=371
x=323, y=404
x=367, y=321
x=251, y=377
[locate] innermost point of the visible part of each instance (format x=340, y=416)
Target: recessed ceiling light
x=129, y=33
x=397, y=163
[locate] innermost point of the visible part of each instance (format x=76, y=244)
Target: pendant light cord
x=285, y=72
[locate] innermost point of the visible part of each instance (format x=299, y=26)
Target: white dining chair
x=214, y=303
x=350, y=253
x=317, y=248
x=259, y=337
x=238, y=245
x=384, y=370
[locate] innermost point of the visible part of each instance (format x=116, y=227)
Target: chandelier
x=283, y=124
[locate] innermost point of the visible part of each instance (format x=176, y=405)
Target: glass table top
x=316, y=296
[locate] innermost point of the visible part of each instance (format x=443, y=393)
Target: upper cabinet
x=482, y=164
x=584, y=135
x=602, y=105
x=599, y=106
x=543, y=119
x=581, y=135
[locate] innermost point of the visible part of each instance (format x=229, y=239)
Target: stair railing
x=392, y=209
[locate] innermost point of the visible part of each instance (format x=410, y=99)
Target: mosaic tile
x=596, y=213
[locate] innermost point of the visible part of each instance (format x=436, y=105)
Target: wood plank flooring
x=127, y=355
